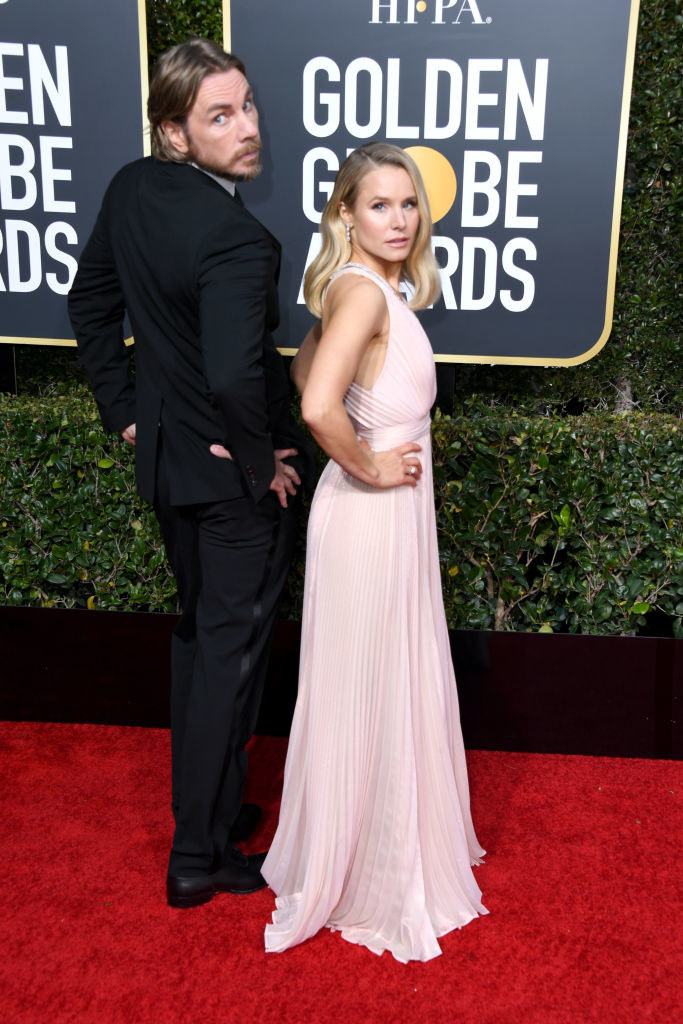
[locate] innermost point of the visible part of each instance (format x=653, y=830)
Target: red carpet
x=582, y=879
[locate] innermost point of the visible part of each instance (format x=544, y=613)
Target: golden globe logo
x=407, y=12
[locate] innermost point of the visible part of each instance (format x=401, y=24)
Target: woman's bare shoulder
x=353, y=291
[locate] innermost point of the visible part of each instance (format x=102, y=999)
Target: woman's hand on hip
x=398, y=466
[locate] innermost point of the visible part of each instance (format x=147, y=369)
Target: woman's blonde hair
x=420, y=268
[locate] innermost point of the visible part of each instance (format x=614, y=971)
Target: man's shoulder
x=185, y=197
x=134, y=169
x=177, y=179
x=164, y=189
x=162, y=174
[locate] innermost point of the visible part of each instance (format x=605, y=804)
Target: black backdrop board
x=516, y=114
x=602, y=695
x=71, y=109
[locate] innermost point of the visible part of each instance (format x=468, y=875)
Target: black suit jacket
x=197, y=275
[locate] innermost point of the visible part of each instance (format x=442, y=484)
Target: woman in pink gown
x=375, y=837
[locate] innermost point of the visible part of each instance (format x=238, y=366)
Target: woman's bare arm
x=355, y=314
x=301, y=363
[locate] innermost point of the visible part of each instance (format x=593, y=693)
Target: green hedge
x=561, y=526
x=172, y=21
x=72, y=531
x=544, y=525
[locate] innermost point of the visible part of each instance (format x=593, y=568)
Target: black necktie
x=238, y=198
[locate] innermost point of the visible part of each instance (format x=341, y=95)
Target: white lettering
x=42, y=81
x=518, y=274
x=51, y=174
x=435, y=67
x=22, y=171
x=516, y=103
x=394, y=129
x=374, y=122
x=410, y=12
x=309, y=188
x=10, y=116
x=313, y=250
x=477, y=99
x=65, y=258
x=514, y=189
x=472, y=187
x=464, y=6
x=327, y=99
x=470, y=247
x=517, y=94
x=449, y=268
x=13, y=230
x=390, y=5
x=439, y=7
x=471, y=7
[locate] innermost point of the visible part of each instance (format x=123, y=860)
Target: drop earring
x=348, y=232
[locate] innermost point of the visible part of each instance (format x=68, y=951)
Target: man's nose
x=249, y=124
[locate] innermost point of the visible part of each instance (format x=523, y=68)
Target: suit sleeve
x=279, y=397
x=96, y=309
x=233, y=286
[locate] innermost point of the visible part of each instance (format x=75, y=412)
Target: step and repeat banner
x=71, y=113
x=516, y=112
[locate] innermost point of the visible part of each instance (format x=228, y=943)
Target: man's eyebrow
x=221, y=105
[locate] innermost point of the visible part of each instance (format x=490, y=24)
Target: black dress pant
x=230, y=562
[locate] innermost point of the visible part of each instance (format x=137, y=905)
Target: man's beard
x=222, y=171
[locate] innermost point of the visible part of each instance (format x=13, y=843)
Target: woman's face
x=384, y=219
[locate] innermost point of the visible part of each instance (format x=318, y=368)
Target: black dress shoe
x=245, y=822
x=237, y=874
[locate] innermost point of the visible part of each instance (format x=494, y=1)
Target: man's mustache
x=254, y=147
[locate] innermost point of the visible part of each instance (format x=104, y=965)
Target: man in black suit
x=208, y=411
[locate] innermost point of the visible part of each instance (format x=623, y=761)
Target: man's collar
x=225, y=183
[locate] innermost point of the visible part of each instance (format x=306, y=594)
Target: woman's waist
x=383, y=437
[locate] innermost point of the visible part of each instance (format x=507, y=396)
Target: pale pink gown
x=375, y=837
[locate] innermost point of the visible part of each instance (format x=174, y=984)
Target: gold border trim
x=55, y=342
x=144, y=92
x=227, y=31
x=144, y=74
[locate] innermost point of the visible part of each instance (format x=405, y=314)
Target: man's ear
x=175, y=134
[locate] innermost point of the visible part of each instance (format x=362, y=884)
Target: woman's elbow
x=313, y=411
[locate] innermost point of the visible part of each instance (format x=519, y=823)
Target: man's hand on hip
x=128, y=434
x=286, y=477
x=219, y=451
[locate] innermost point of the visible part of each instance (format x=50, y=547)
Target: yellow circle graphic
x=439, y=179
x=421, y=6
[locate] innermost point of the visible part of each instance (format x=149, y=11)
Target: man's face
x=221, y=130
